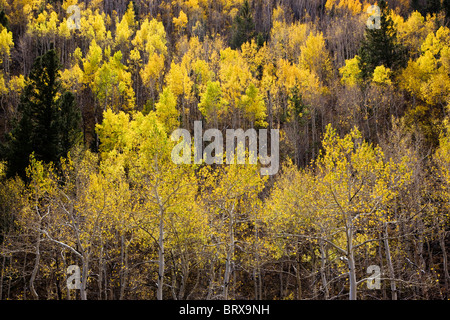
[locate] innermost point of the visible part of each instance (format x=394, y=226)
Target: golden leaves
x=350, y=72
x=428, y=76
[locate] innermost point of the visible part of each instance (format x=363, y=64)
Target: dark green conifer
x=243, y=26
x=48, y=123
x=380, y=46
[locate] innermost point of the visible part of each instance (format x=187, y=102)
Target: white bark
x=389, y=262
x=161, y=262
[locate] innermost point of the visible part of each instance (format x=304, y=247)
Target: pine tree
x=69, y=121
x=380, y=46
x=48, y=122
x=4, y=20
x=243, y=26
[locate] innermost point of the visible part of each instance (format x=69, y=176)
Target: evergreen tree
x=48, y=122
x=4, y=20
x=69, y=122
x=243, y=26
x=380, y=46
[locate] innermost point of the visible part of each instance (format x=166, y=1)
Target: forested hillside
x=91, y=91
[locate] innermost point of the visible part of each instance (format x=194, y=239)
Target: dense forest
x=91, y=91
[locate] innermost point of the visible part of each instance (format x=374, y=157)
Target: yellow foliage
x=414, y=30
x=350, y=72
x=152, y=70
x=6, y=43
x=315, y=57
x=212, y=104
x=286, y=39
x=381, y=75
x=72, y=78
x=166, y=110
x=45, y=24
x=92, y=26
x=135, y=58
x=123, y=32
x=17, y=83
x=151, y=38
x=353, y=6
x=234, y=75
x=112, y=85
x=180, y=22
x=175, y=79
x=254, y=107
x=428, y=76
x=291, y=75
x=3, y=88
x=92, y=62
x=202, y=74
x=130, y=16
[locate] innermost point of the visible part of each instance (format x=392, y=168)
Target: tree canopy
x=354, y=114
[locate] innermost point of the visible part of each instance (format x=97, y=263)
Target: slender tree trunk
x=84, y=276
x=124, y=267
x=58, y=286
x=257, y=268
x=281, y=280
x=270, y=117
x=3, y=271
x=322, y=270
x=351, y=261
x=184, y=276
x=211, y=280
x=226, y=278
x=380, y=255
x=161, y=264
x=298, y=278
x=313, y=269
x=313, y=132
x=100, y=274
x=389, y=262
x=37, y=260
x=10, y=278
x=444, y=260
x=352, y=276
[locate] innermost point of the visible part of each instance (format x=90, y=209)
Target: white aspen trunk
x=257, y=268
x=3, y=270
x=161, y=266
x=211, y=280
x=322, y=270
x=121, y=267
x=36, y=265
x=351, y=261
x=37, y=259
x=444, y=259
x=184, y=277
x=84, y=276
x=100, y=273
x=352, y=277
x=124, y=276
x=298, y=278
x=226, y=278
x=389, y=262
